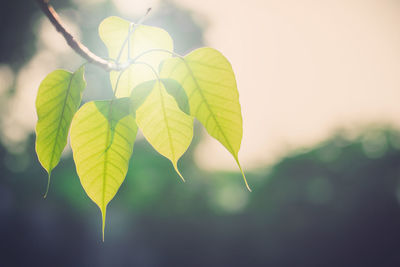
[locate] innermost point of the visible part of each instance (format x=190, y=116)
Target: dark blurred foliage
x=333, y=205
x=17, y=19
x=330, y=206
x=22, y=16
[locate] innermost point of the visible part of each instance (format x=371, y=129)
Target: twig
x=77, y=46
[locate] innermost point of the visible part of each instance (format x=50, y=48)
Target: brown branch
x=77, y=46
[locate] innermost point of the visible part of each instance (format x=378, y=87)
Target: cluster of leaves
x=155, y=90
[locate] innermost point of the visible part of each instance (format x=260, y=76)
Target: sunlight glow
x=135, y=8
x=304, y=68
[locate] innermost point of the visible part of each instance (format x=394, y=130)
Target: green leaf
x=58, y=98
x=141, y=92
x=102, y=138
x=209, y=81
x=164, y=125
x=114, y=111
x=176, y=90
x=114, y=32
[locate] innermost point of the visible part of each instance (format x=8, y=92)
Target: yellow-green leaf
x=114, y=32
x=210, y=84
x=141, y=92
x=58, y=98
x=176, y=90
x=102, y=138
x=164, y=125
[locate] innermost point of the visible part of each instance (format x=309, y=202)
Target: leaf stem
x=151, y=67
x=48, y=185
x=132, y=28
x=155, y=50
x=117, y=83
x=110, y=111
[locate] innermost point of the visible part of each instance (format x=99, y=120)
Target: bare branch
x=77, y=46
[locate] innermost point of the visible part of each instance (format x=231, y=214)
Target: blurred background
x=319, y=88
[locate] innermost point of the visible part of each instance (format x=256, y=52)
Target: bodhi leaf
x=58, y=98
x=210, y=84
x=141, y=92
x=102, y=138
x=114, y=32
x=164, y=125
x=176, y=90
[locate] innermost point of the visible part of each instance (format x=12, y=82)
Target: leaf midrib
x=59, y=123
x=166, y=121
x=103, y=194
x=208, y=107
x=103, y=197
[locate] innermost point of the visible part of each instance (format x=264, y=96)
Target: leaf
x=141, y=92
x=58, y=98
x=176, y=90
x=210, y=84
x=102, y=138
x=114, y=111
x=164, y=125
x=114, y=31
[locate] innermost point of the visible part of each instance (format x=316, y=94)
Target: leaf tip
x=48, y=186
x=245, y=180
x=103, y=226
x=244, y=176
x=247, y=185
x=177, y=171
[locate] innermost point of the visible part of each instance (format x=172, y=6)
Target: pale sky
x=304, y=68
